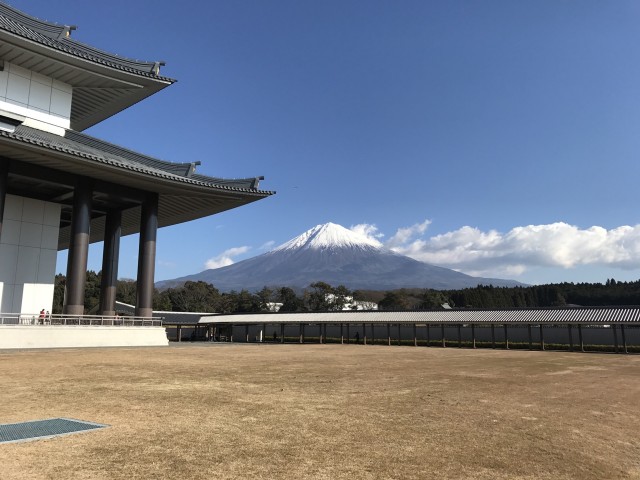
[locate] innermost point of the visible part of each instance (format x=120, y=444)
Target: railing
x=78, y=320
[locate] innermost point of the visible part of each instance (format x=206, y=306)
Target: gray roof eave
x=536, y=316
x=151, y=175
x=48, y=35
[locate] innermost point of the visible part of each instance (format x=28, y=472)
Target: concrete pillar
x=389, y=334
x=624, y=338
x=444, y=342
x=147, y=256
x=342, y=334
x=530, y=337
x=415, y=335
x=78, y=249
x=373, y=334
x=399, y=334
x=302, y=333
x=428, y=335
x=320, y=332
x=348, y=335
x=110, y=257
x=615, y=337
x=493, y=336
x=246, y=332
x=4, y=179
x=179, y=333
x=282, y=333
x=364, y=334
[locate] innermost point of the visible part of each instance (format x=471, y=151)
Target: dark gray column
x=493, y=336
x=473, y=335
x=506, y=336
x=78, y=249
x=110, y=257
x=147, y=256
x=4, y=175
x=570, y=331
x=580, y=337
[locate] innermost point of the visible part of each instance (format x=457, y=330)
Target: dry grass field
x=324, y=412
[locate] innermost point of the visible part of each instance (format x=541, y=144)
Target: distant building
x=274, y=306
x=350, y=303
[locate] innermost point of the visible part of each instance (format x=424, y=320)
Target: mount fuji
x=337, y=256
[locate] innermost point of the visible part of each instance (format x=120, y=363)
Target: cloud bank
x=226, y=257
x=478, y=252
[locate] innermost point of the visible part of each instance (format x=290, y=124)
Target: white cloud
x=491, y=252
x=165, y=263
x=368, y=230
x=404, y=235
x=226, y=257
x=267, y=245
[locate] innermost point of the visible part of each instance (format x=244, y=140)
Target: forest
x=320, y=296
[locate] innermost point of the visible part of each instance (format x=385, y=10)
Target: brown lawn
x=200, y=411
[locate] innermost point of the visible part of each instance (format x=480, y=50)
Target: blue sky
x=499, y=138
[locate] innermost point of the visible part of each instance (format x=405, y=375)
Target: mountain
x=338, y=256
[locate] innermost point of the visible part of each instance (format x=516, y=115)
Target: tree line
x=320, y=296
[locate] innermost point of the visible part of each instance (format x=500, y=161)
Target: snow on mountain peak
x=329, y=235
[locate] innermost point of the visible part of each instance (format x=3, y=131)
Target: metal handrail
x=37, y=319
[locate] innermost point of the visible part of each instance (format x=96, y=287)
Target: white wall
x=60, y=336
x=28, y=253
x=44, y=101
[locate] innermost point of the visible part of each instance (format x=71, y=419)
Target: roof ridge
x=54, y=36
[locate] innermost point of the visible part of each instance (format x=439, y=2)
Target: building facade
x=62, y=189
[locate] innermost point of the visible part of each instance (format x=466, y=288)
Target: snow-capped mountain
x=338, y=256
x=329, y=236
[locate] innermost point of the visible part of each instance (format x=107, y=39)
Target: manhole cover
x=39, y=429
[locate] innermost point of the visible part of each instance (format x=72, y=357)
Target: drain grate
x=39, y=429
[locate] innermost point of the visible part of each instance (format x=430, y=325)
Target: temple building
x=62, y=189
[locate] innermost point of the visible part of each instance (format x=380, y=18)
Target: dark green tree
x=395, y=300
x=290, y=301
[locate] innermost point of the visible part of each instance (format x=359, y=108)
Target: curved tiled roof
x=56, y=36
x=93, y=149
